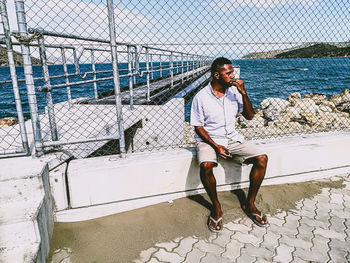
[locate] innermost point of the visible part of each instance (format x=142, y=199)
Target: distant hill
x=17, y=57
x=312, y=51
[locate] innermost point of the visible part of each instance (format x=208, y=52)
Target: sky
x=212, y=27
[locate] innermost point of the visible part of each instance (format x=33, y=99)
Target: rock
x=8, y=121
x=345, y=106
x=272, y=107
x=310, y=118
x=293, y=97
x=316, y=97
x=306, y=106
x=257, y=121
x=340, y=98
x=292, y=113
x=329, y=104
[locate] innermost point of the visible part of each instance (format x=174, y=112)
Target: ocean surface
x=263, y=78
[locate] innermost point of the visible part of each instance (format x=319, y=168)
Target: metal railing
x=140, y=64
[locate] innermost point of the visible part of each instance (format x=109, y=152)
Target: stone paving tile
x=299, y=260
x=311, y=222
x=283, y=230
x=336, y=244
x=223, y=238
x=329, y=233
x=209, y=247
x=245, y=259
x=271, y=240
x=233, y=250
x=308, y=256
x=276, y=220
x=164, y=256
x=295, y=242
x=281, y=215
x=283, y=254
x=258, y=252
x=305, y=232
x=292, y=221
x=336, y=198
x=210, y=258
x=154, y=260
x=320, y=244
x=246, y=238
x=185, y=246
x=337, y=224
x=169, y=246
x=194, y=256
x=237, y=227
x=337, y=255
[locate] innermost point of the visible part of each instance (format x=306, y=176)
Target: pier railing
x=82, y=107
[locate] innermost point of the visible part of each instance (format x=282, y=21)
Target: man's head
x=218, y=63
x=222, y=71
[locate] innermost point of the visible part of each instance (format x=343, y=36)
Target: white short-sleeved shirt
x=217, y=115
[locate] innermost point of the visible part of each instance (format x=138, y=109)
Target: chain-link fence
x=118, y=76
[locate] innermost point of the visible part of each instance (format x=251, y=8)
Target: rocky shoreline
x=277, y=117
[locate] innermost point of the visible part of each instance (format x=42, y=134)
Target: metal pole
x=171, y=71
x=133, y=65
x=147, y=75
x=28, y=73
x=182, y=68
x=47, y=84
x=152, y=77
x=160, y=66
x=65, y=69
x=6, y=26
x=113, y=44
x=94, y=73
x=130, y=71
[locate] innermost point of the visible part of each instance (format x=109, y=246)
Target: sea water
x=263, y=78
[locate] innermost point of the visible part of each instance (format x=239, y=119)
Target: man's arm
x=248, y=111
x=221, y=150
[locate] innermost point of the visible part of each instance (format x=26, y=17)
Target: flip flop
x=253, y=216
x=216, y=222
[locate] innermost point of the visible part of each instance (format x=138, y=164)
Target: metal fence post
x=6, y=26
x=171, y=70
x=147, y=75
x=130, y=73
x=113, y=44
x=28, y=72
x=48, y=91
x=182, y=68
x=65, y=69
x=94, y=73
x=160, y=67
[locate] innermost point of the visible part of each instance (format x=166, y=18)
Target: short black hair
x=219, y=62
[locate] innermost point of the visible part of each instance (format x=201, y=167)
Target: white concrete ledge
x=26, y=215
x=107, y=185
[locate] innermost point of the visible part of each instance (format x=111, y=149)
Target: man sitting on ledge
x=213, y=113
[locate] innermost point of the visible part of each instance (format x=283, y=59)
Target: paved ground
x=318, y=230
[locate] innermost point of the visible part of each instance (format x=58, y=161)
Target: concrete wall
x=106, y=185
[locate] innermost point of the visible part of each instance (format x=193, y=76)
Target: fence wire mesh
x=293, y=57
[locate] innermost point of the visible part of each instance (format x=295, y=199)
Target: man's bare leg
x=256, y=177
x=209, y=183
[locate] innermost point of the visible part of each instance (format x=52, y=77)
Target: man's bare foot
x=255, y=215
